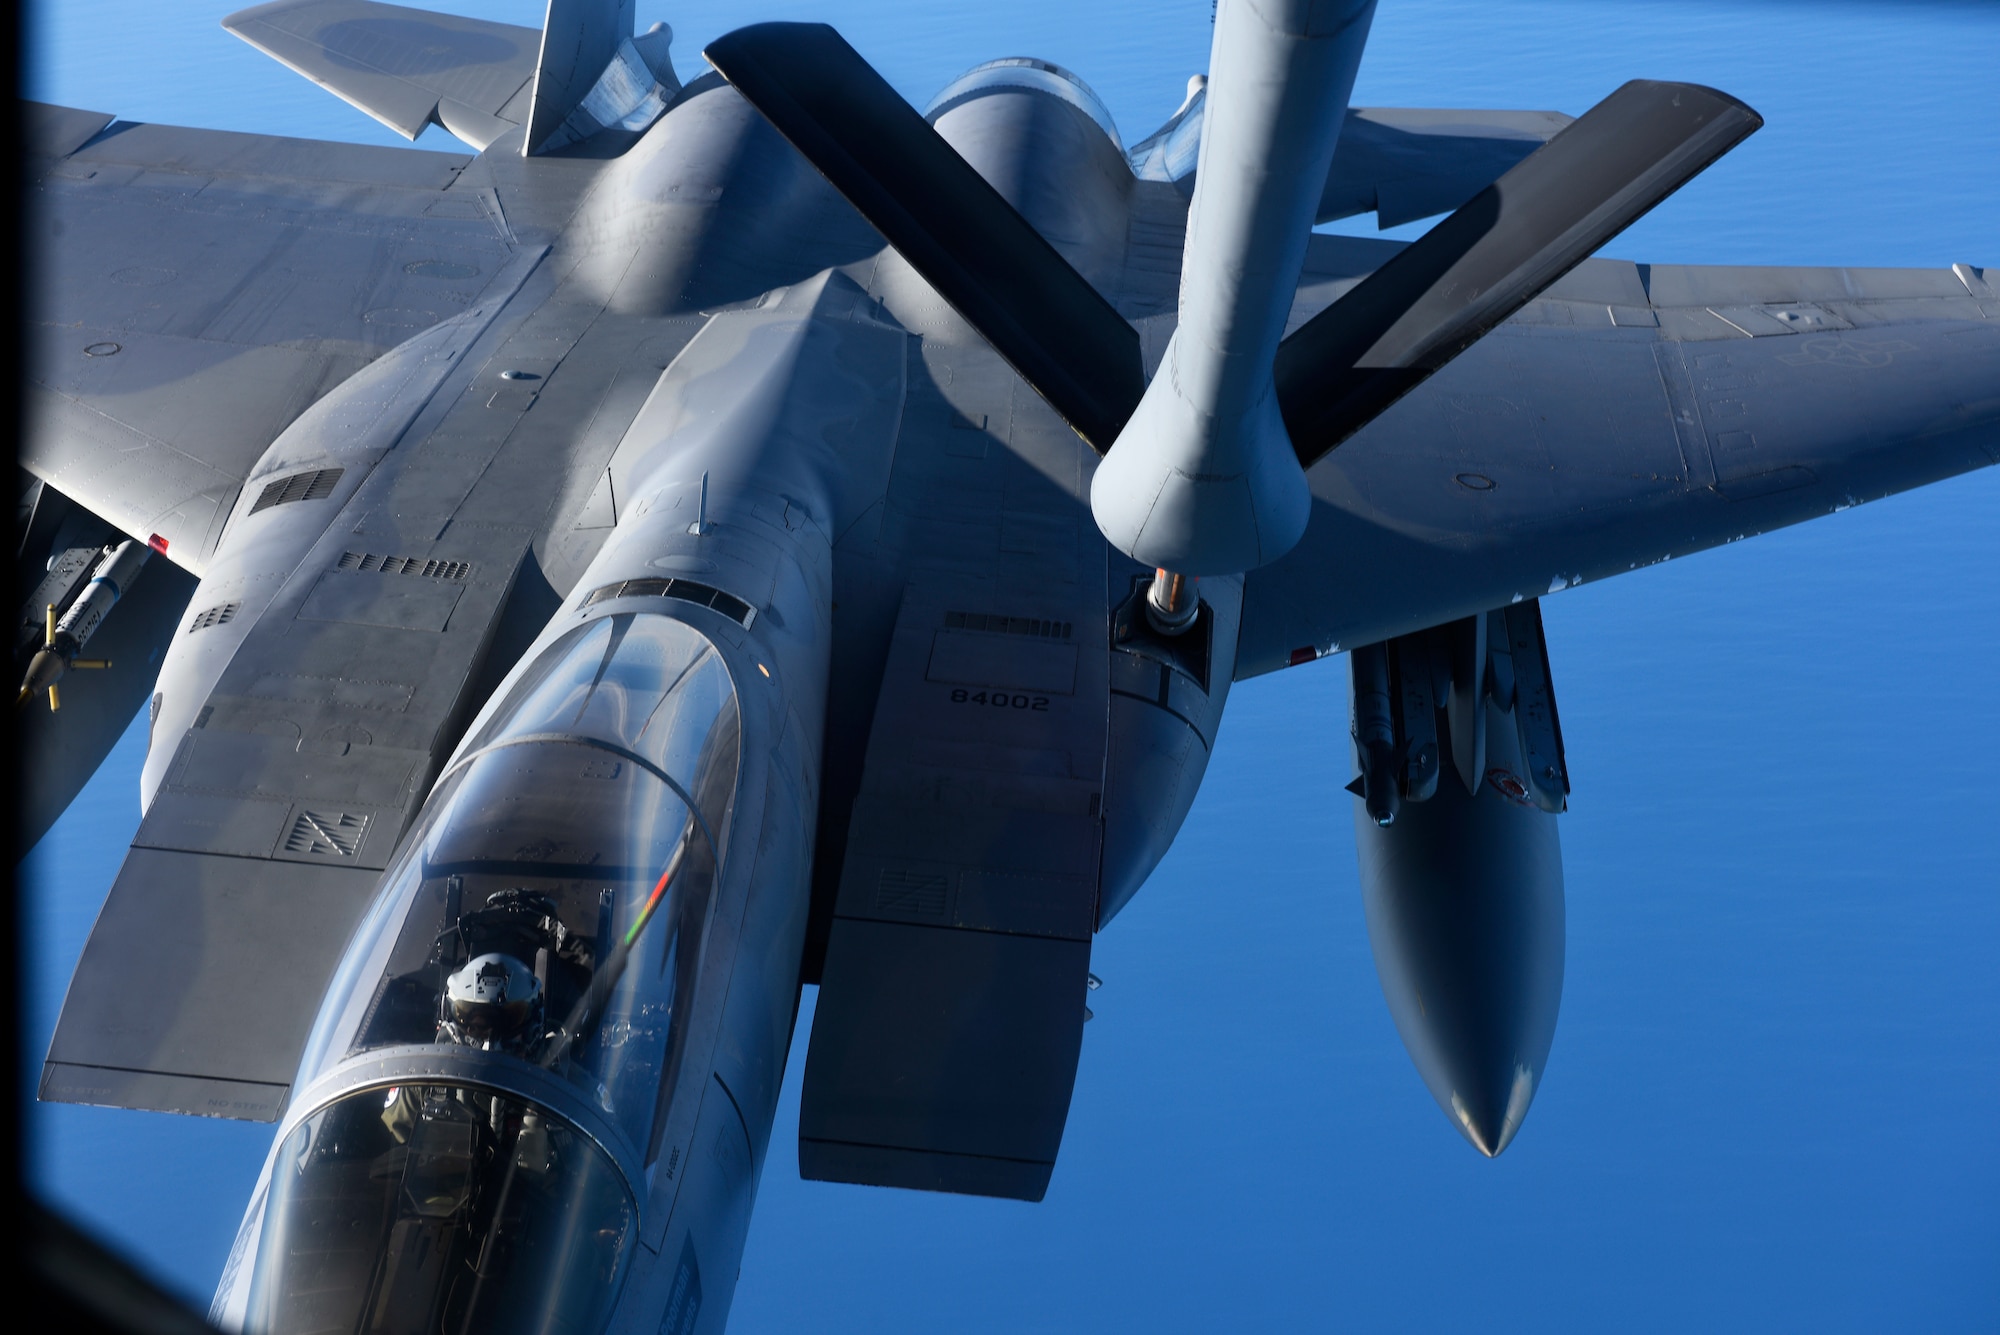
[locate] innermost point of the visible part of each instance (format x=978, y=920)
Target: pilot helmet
x=494, y=998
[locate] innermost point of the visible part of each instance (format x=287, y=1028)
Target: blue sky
x=1771, y=1095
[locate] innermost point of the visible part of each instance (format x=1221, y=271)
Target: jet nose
x=1464, y=902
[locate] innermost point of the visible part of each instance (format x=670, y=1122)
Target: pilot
x=495, y=1001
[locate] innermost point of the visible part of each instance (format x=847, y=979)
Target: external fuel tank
x=1461, y=870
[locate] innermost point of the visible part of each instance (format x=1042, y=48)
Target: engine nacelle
x=1041, y=137
x=1461, y=871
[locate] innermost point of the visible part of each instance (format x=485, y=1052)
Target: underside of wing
x=197, y=290
x=1633, y=414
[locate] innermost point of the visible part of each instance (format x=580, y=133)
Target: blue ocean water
x=1771, y=1095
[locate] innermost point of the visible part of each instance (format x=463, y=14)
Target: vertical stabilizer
x=579, y=41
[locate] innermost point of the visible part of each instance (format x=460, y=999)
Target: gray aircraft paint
x=972, y=482
x=1206, y=481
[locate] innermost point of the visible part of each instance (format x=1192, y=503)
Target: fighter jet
x=751, y=532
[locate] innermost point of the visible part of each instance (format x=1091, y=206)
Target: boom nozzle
x=1171, y=603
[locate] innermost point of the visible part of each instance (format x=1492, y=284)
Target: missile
x=1375, y=735
x=64, y=638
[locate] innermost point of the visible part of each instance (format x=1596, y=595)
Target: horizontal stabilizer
x=408, y=68
x=1399, y=163
x=56, y=132
x=954, y=229
x=411, y=68
x=1437, y=297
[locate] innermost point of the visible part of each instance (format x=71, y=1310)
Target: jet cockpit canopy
x=440, y=1207
x=548, y=908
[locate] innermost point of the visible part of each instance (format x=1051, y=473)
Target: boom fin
x=956, y=230
x=1500, y=250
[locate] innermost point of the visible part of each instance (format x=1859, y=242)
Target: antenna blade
x=955, y=230
x=1346, y=365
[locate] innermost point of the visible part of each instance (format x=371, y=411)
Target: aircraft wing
x=408, y=68
x=197, y=290
x=1633, y=414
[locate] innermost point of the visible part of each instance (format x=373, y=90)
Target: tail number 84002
x=999, y=700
